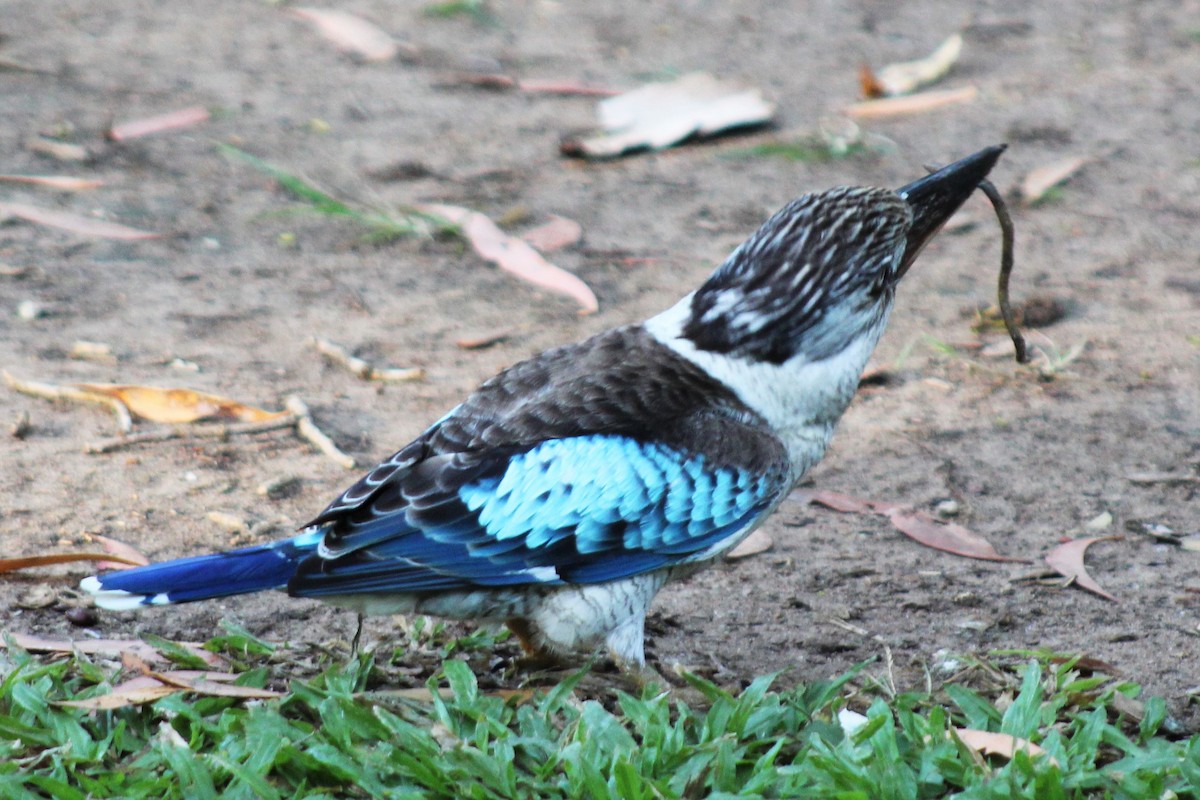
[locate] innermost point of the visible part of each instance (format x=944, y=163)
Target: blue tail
x=250, y=569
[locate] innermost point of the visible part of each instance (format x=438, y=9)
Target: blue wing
x=586, y=509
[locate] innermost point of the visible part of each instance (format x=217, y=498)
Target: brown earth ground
x=236, y=287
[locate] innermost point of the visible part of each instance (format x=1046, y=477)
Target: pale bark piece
x=663, y=114
x=910, y=104
x=351, y=34
x=65, y=220
x=173, y=120
x=908, y=76
x=1041, y=180
x=757, y=542
x=513, y=255
x=1067, y=560
x=66, y=183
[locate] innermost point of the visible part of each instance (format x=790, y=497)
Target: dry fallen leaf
x=663, y=114
x=512, y=254
x=1067, y=560
x=555, y=234
x=351, y=34
x=178, y=405
x=998, y=744
x=910, y=104
x=917, y=525
x=85, y=226
x=58, y=150
x=133, y=692
x=948, y=537
x=125, y=555
x=50, y=559
x=66, y=183
x=137, y=128
x=1041, y=180
x=908, y=76
x=106, y=648
x=757, y=542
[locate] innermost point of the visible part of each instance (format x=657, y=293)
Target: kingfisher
x=566, y=491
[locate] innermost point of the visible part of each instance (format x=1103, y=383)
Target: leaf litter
x=919, y=526
x=351, y=34
x=660, y=115
x=173, y=120
x=908, y=76
x=1067, y=560
x=74, y=223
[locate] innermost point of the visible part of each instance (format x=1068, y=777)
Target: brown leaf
x=66, y=183
x=126, y=555
x=178, y=405
x=557, y=233
x=564, y=87
x=907, y=76
x=13, y=564
x=134, y=692
x=910, y=104
x=1041, y=180
x=214, y=684
x=512, y=254
x=757, y=542
x=482, y=340
x=107, y=648
x=1067, y=560
x=998, y=744
x=137, y=128
x=916, y=525
x=850, y=505
x=84, y=226
x=663, y=114
x=58, y=150
x=950, y=537
x=351, y=34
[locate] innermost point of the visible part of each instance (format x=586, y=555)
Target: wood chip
x=910, y=104
x=309, y=431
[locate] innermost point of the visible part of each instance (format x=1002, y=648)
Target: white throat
x=801, y=400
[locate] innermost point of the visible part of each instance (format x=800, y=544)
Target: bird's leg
x=357, y=636
x=626, y=646
x=536, y=658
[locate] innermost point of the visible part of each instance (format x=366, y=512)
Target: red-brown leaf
x=137, y=128
x=85, y=226
x=512, y=254
x=1067, y=560
x=949, y=537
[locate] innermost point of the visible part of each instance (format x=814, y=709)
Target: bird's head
x=822, y=272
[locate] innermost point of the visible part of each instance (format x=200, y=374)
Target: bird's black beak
x=936, y=197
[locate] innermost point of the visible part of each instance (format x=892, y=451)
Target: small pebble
x=82, y=617
x=30, y=310
x=947, y=508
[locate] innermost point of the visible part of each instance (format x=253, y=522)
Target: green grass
x=810, y=149
x=381, y=226
x=339, y=734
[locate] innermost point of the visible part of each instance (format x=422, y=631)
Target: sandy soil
x=236, y=286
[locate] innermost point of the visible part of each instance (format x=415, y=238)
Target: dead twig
x=362, y=368
x=50, y=391
x=191, y=432
x=309, y=431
